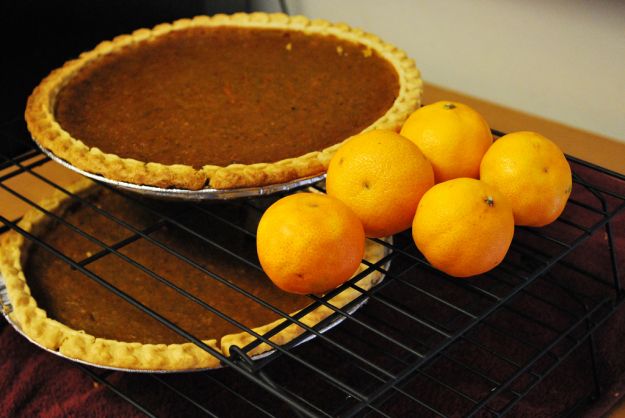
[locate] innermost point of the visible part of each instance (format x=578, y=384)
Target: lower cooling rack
x=522, y=339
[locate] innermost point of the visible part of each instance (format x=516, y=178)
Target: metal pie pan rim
x=164, y=371
x=184, y=194
x=4, y=299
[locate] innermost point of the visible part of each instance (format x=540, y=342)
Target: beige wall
x=561, y=59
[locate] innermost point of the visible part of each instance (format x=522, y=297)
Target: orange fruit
x=309, y=243
x=463, y=227
x=453, y=136
x=381, y=176
x=532, y=172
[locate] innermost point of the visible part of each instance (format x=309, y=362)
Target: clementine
x=381, y=176
x=309, y=243
x=532, y=172
x=452, y=135
x=463, y=227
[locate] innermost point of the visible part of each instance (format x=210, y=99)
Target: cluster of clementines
x=442, y=175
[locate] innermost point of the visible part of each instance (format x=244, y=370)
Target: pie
x=61, y=309
x=222, y=102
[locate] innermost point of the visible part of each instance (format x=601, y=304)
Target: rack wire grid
x=423, y=342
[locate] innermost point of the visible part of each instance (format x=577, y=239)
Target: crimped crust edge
x=49, y=134
x=76, y=344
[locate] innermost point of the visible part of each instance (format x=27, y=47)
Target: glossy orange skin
x=381, y=176
x=452, y=135
x=309, y=243
x=463, y=227
x=533, y=174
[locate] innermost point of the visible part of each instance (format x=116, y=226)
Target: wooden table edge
x=592, y=147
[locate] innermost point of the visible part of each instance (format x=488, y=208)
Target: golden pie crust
x=76, y=344
x=50, y=135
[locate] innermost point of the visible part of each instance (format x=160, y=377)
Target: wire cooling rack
x=425, y=344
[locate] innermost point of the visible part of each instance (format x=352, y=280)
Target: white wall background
x=560, y=59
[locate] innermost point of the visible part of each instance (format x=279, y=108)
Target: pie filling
x=223, y=95
x=70, y=297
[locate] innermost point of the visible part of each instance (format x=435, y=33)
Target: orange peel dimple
x=452, y=135
x=381, y=176
x=309, y=243
x=533, y=174
x=463, y=227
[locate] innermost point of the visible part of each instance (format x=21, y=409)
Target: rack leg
x=593, y=361
x=244, y=359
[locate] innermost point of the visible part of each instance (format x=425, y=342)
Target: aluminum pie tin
x=7, y=309
x=184, y=194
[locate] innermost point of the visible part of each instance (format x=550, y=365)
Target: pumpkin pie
x=222, y=102
x=60, y=308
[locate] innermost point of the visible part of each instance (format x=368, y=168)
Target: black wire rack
x=424, y=344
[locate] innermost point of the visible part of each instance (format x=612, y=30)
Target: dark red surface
x=36, y=383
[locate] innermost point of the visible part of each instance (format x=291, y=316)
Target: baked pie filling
x=226, y=95
x=222, y=102
x=62, y=309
